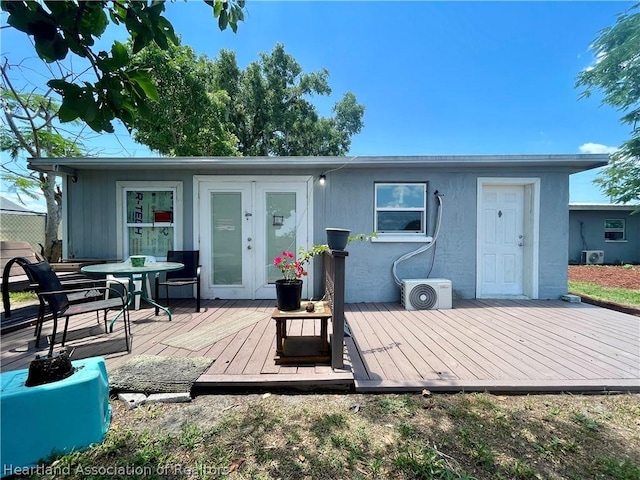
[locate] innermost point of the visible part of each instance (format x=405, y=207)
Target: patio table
x=302, y=349
x=128, y=270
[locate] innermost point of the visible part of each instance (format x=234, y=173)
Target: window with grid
x=150, y=227
x=400, y=209
x=614, y=229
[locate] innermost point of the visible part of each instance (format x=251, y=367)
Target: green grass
x=17, y=297
x=320, y=437
x=621, y=296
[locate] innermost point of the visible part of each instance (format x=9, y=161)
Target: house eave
x=571, y=163
x=603, y=206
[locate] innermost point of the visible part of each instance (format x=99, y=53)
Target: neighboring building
x=604, y=233
x=18, y=223
x=503, y=233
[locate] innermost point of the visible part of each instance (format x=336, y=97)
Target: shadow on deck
x=493, y=345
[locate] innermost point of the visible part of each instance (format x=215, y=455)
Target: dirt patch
x=615, y=276
x=611, y=276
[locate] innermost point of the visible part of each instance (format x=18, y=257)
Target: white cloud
x=596, y=148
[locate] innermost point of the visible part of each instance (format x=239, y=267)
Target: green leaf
x=143, y=80
x=119, y=54
x=138, y=44
x=64, y=86
x=161, y=39
x=67, y=112
x=239, y=13
x=51, y=50
x=223, y=20
x=22, y=18
x=89, y=107
x=94, y=21
x=217, y=8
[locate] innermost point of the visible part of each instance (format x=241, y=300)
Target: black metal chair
x=189, y=275
x=51, y=292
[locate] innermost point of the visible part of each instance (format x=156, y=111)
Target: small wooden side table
x=302, y=349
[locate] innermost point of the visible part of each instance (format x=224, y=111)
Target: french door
x=243, y=223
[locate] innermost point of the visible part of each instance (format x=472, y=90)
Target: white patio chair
x=137, y=281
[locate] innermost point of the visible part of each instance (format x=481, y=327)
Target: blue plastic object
x=59, y=417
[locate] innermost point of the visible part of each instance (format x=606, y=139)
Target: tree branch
x=33, y=151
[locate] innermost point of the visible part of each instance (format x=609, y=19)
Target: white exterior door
x=501, y=240
x=242, y=224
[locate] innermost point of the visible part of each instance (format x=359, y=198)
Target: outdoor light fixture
x=322, y=179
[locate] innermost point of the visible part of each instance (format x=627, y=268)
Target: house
x=18, y=223
x=502, y=228
x=604, y=233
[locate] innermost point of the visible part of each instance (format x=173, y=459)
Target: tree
x=71, y=27
x=264, y=110
x=271, y=111
x=29, y=126
x=189, y=117
x=617, y=73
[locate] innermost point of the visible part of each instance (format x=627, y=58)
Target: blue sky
x=435, y=77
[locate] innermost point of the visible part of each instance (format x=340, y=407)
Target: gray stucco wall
x=349, y=204
x=346, y=201
x=586, y=232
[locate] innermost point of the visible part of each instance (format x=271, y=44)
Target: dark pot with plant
x=337, y=238
x=289, y=288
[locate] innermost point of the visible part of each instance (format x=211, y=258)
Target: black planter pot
x=337, y=238
x=288, y=294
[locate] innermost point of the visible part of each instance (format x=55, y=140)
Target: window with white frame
x=614, y=229
x=400, y=209
x=148, y=212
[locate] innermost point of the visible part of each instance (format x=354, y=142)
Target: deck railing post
x=334, y=284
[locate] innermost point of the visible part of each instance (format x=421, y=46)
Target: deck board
x=503, y=345
x=538, y=351
x=496, y=345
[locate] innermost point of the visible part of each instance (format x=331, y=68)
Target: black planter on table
x=288, y=294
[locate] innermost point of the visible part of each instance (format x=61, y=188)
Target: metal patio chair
x=51, y=292
x=189, y=275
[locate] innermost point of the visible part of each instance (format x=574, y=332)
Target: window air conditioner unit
x=593, y=257
x=426, y=294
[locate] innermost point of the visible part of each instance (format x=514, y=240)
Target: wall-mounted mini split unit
x=592, y=257
x=426, y=294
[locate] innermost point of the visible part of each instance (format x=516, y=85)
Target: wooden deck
x=244, y=358
x=525, y=346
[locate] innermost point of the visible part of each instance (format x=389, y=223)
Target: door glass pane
x=281, y=229
x=226, y=235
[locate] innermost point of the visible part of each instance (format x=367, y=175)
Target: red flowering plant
x=290, y=267
x=293, y=268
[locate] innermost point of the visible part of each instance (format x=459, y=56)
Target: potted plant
x=337, y=238
x=289, y=288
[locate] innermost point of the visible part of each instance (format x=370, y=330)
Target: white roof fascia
x=574, y=163
x=603, y=206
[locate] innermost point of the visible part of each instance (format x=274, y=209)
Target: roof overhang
x=568, y=163
x=604, y=206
